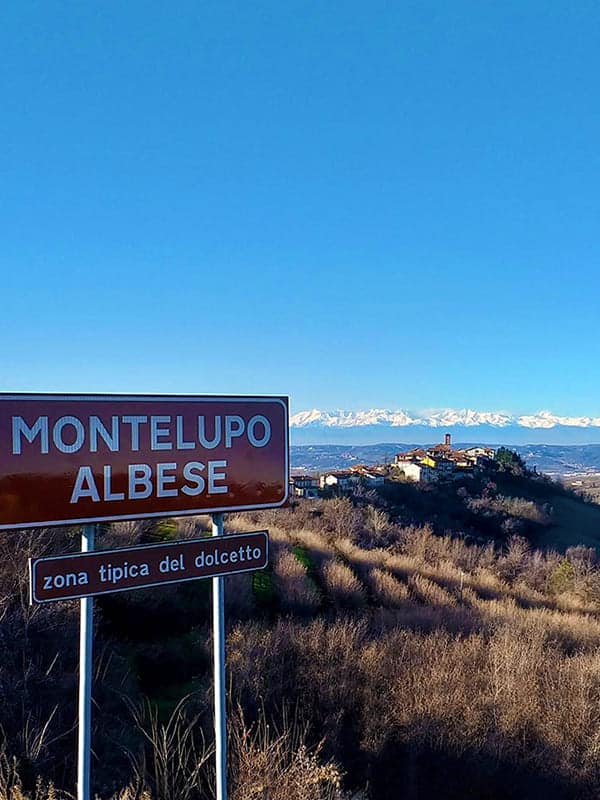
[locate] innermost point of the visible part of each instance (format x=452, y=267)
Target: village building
x=442, y=460
x=444, y=466
x=304, y=486
x=409, y=456
x=486, y=452
x=419, y=473
x=482, y=456
x=343, y=481
x=371, y=477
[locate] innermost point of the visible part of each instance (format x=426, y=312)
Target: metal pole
x=86, y=629
x=219, y=673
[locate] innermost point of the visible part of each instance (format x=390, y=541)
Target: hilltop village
x=441, y=462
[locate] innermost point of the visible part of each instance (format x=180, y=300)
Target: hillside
x=376, y=658
x=496, y=506
x=552, y=459
x=492, y=505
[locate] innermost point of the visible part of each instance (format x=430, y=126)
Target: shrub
x=296, y=592
x=342, y=585
x=277, y=764
x=386, y=589
x=163, y=530
x=562, y=578
x=427, y=591
x=239, y=596
x=342, y=518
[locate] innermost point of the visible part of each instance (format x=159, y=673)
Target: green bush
x=164, y=530
x=562, y=578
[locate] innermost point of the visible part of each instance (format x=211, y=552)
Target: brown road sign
x=68, y=459
x=106, y=571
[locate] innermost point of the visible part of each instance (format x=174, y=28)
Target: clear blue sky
x=391, y=204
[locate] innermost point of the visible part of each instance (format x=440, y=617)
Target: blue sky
x=357, y=204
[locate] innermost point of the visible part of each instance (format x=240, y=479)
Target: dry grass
x=320, y=549
x=11, y=786
x=190, y=527
x=510, y=694
x=516, y=507
x=239, y=597
x=342, y=585
x=464, y=649
x=279, y=765
x=362, y=561
x=429, y=592
x=420, y=645
x=178, y=752
x=296, y=591
x=387, y=590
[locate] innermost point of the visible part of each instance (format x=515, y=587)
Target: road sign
x=88, y=574
x=68, y=459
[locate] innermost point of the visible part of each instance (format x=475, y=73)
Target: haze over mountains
x=465, y=425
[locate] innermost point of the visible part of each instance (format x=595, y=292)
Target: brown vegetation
x=370, y=658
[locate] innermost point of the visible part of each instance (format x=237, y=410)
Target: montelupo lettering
x=71, y=434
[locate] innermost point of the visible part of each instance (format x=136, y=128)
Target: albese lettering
x=143, y=483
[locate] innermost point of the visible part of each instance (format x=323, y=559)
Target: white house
x=420, y=473
x=480, y=452
x=344, y=481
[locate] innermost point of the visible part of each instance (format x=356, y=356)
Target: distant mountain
x=562, y=459
x=489, y=427
x=318, y=458
x=551, y=459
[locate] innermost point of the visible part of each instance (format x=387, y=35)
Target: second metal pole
x=218, y=587
x=86, y=630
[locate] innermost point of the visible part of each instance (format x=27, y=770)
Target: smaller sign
x=106, y=571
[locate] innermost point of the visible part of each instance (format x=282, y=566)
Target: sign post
x=218, y=604
x=83, y=459
x=86, y=637
x=92, y=572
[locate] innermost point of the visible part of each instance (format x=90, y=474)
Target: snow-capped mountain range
x=436, y=419
x=354, y=427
